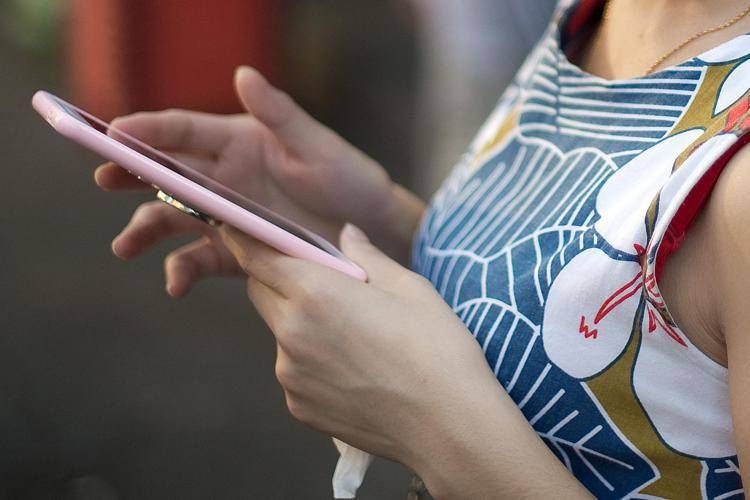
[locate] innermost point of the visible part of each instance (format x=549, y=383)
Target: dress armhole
x=691, y=205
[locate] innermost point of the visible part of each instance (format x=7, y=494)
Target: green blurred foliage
x=33, y=25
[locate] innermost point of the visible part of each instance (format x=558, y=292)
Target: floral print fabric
x=548, y=241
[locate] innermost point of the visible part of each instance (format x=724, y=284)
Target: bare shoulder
x=729, y=206
x=728, y=217
x=728, y=211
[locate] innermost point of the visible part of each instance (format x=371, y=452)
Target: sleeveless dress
x=548, y=240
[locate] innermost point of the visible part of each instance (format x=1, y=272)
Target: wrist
x=448, y=450
x=479, y=445
x=398, y=221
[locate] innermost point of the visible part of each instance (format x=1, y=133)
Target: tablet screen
x=199, y=178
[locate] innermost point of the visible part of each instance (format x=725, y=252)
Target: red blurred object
x=128, y=55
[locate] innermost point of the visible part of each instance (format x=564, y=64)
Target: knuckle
x=181, y=260
x=143, y=210
x=118, y=121
x=291, y=338
x=149, y=211
x=286, y=375
x=173, y=260
x=246, y=255
x=212, y=259
x=143, y=115
x=297, y=409
x=261, y=261
x=156, y=215
x=250, y=264
x=313, y=294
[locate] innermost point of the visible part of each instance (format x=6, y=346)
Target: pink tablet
x=189, y=190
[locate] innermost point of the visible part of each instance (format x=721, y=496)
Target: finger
x=277, y=111
x=177, y=130
x=268, y=302
x=188, y=264
x=379, y=267
x=202, y=162
x=111, y=177
x=151, y=223
x=273, y=268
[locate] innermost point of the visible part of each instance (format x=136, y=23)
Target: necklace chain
x=726, y=24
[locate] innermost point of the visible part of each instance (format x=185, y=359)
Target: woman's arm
x=483, y=447
x=729, y=213
x=386, y=366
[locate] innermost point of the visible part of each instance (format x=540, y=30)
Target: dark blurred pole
x=352, y=64
x=127, y=55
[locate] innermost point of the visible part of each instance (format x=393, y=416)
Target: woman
x=601, y=333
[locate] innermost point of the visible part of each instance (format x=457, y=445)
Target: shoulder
x=728, y=217
x=728, y=212
x=729, y=209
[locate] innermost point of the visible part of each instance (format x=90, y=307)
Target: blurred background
x=109, y=388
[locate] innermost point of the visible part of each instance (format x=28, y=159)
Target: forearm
x=485, y=448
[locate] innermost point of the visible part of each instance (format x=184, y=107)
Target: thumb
x=380, y=268
x=276, y=110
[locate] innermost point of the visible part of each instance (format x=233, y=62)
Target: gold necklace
x=726, y=24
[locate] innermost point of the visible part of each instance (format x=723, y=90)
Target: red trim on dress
x=694, y=201
x=581, y=15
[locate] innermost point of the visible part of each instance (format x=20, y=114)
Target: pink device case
x=55, y=111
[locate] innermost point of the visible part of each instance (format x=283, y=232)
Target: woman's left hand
x=380, y=365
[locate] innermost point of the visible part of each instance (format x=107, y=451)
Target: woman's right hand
x=275, y=154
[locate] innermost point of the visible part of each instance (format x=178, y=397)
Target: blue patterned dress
x=548, y=240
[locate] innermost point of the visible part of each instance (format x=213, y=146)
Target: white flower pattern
x=546, y=241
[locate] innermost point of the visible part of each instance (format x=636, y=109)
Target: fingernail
x=242, y=69
x=354, y=233
x=113, y=246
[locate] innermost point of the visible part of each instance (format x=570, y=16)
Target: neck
x=684, y=6
x=658, y=28
x=654, y=15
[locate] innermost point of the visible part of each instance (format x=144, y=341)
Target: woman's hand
x=366, y=362
x=277, y=155
x=386, y=366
